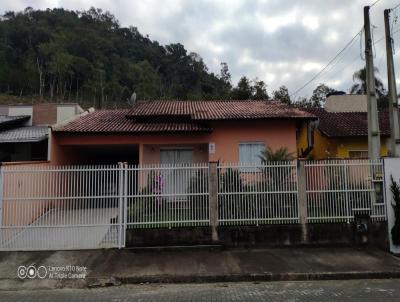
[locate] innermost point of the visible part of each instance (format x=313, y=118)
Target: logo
x=22, y=272
x=31, y=272
x=52, y=272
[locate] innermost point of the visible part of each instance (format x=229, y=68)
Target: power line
x=393, y=8
x=327, y=65
x=374, y=3
x=382, y=38
x=334, y=58
x=339, y=60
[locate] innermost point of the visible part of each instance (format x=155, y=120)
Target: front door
x=176, y=179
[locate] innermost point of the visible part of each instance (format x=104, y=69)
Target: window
x=250, y=152
x=358, y=154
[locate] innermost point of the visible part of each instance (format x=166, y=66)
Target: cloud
x=280, y=42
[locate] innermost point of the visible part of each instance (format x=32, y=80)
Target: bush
x=395, y=232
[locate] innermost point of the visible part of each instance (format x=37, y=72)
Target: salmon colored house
x=178, y=132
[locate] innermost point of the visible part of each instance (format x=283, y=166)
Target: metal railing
x=258, y=193
x=45, y=207
x=338, y=189
x=166, y=195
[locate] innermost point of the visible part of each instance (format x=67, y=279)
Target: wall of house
x=21, y=110
x=302, y=140
x=273, y=133
x=325, y=147
x=227, y=135
x=357, y=144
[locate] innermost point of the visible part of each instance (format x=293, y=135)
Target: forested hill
x=88, y=57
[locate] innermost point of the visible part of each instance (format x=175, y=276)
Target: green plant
x=281, y=154
x=395, y=232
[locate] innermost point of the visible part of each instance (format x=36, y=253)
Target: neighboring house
x=24, y=129
x=178, y=132
x=341, y=130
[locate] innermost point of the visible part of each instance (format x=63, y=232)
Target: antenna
x=132, y=99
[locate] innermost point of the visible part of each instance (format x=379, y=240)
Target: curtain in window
x=250, y=152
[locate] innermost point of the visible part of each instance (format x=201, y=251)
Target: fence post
x=1, y=194
x=120, y=198
x=213, y=201
x=302, y=199
x=125, y=202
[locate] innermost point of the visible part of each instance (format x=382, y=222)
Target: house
x=341, y=130
x=24, y=129
x=178, y=132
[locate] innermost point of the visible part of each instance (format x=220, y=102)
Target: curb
x=94, y=282
x=267, y=277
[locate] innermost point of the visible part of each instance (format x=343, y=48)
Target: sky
x=279, y=42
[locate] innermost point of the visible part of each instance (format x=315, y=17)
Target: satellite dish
x=132, y=99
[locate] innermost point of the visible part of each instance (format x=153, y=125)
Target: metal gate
x=47, y=207
x=338, y=189
x=44, y=207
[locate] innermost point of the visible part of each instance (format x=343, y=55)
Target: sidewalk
x=113, y=267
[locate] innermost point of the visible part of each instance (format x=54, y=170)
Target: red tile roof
x=115, y=121
x=218, y=110
x=178, y=116
x=347, y=124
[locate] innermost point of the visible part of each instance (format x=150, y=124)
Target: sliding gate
x=45, y=207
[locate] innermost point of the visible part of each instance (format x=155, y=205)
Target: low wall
x=262, y=236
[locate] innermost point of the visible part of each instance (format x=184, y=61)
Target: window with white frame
x=249, y=153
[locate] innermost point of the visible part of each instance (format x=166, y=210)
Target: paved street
x=353, y=290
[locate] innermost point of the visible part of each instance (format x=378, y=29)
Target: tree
x=243, y=90
x=395, y=231
x=303, y=103
x=225, y=74
x=88, y=57
x=260, y=90
x=319, y=94
x=360, y=87
x=282, y=95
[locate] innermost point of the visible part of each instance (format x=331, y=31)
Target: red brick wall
x=44, y=114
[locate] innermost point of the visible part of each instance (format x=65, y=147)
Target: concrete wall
x=346, y=103
x=43, y=113
x=24, y=185
x=21, y=110
x=331, y=234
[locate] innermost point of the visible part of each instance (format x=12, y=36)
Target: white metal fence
x=258, y=193
x=47, y=207
x=168, y=195
x=338, y=189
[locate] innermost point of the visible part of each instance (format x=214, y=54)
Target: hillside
x=87, y=57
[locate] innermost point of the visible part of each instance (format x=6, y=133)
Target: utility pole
x=392, y=95
x=374, y=140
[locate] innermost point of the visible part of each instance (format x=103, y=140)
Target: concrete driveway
x=64, y=229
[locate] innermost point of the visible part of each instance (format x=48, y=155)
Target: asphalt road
x=353, y=290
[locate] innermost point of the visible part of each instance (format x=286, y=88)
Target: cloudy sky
x=281, y=42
